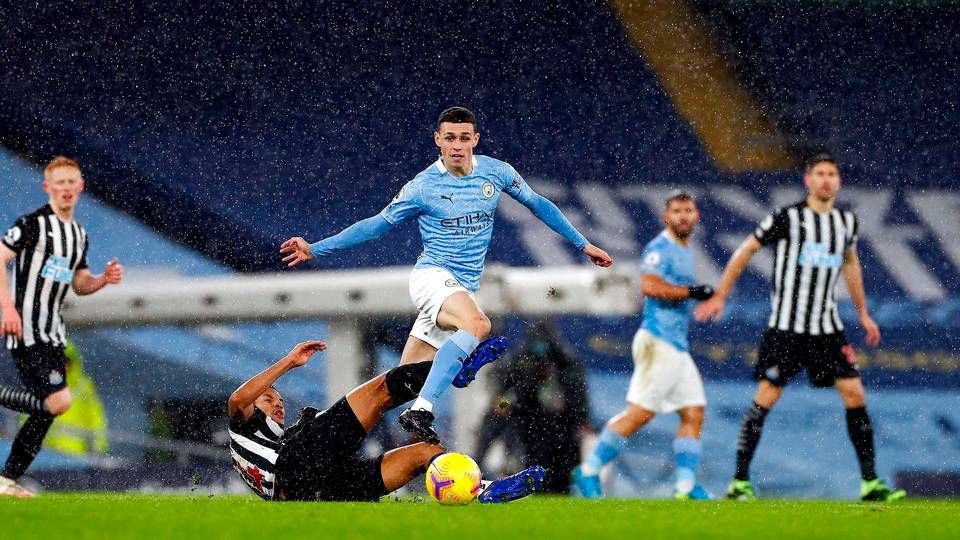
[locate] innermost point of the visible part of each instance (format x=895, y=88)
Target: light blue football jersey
x=456, y=215
x=668, y=320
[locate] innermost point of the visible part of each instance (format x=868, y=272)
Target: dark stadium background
x=209, y=132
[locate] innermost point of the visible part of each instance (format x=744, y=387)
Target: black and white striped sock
x=21, y=400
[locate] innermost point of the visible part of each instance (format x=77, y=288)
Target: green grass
x=75, y=516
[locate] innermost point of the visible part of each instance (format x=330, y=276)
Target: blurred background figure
x=82, y=430
x=541, y=409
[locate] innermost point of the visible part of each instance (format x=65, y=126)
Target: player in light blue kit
x=665, y=379
x=454, y=200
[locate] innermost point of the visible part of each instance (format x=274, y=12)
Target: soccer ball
x=453, y=479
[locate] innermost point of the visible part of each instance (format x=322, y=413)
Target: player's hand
x=12, y=325
x=296, y=251
x=872, y=330
x=598, y=256
x=113, y=273
x=710, y=310
x=301, y=354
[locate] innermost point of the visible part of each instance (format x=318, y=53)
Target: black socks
x=21, y=400
x=404, y=382
x=861, y=435
x=27, y=444
x=750, y=432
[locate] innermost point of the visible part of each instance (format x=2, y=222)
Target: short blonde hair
x=60, y=161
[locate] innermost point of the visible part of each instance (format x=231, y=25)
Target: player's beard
x=682, y=235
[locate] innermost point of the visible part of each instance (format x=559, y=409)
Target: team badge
x=772, y=374
x=13, y=234
x=55, y=377
x=488, y=190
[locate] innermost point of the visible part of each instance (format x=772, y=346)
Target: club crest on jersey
x=55, y=377
x=488, y=190
x=772, y=374
x=13, y=234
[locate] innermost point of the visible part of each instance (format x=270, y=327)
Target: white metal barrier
x=346, y=296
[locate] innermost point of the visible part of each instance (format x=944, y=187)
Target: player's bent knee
x=636, y=417
x=853, y=398
x=480, y=326
x=692, y=415
x=57, y=405
x=768, y=394
x=851, y=392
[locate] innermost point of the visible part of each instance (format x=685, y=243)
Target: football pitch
x=74, y=516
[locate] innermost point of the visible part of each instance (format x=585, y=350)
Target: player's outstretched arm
x=86, y=283
x=11, y=325
x=653, y=286
x=240, y=404
x=297, y=250
x=712, y=309
x=551, y=215
x=853, y=275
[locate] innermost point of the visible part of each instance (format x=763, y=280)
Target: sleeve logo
x=653, y=259
x=398, y=197
x=13, y=235
x=767, y=222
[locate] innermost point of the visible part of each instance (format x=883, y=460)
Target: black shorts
x=826, y=358
x=318, y=459
x=42, y=368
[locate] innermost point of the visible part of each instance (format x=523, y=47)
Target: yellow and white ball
x=453, y=478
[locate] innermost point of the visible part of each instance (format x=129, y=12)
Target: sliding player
x=315, y=459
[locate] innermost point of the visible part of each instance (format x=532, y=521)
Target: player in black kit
x=816, y=244
x=316, y=458
x=49, y=249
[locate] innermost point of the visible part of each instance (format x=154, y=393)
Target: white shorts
x=664, y=379
x=429, y=287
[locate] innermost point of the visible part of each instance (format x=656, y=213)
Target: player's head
x=63, y=182
x=680, y=213
x=456, y=136
x=821, y=175
x=271, y=403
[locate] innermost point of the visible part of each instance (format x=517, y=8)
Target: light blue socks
x=687, y=452
x=446, y=364
x=606, y=450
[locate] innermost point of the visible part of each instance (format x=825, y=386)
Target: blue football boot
x=513, y=487
x=489, y=350
x=698, y=493
x=589, y=486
